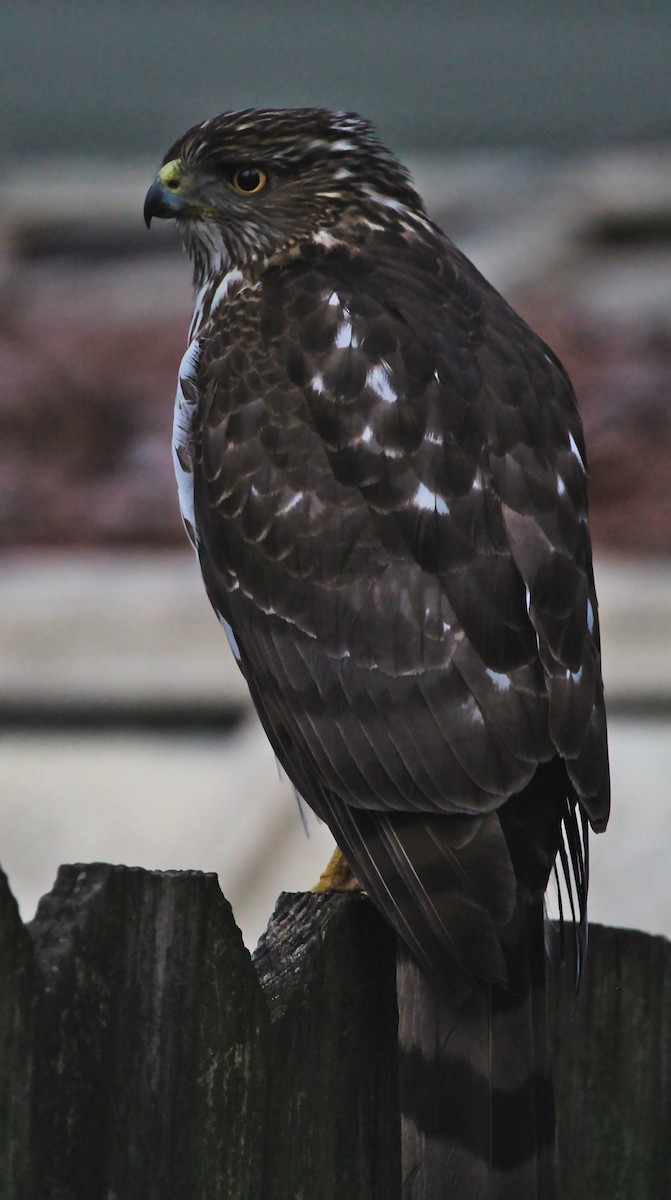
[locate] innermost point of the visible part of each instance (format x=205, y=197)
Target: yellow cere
x=170, y=174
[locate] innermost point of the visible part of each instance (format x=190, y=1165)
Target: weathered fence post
x=146, y=1072
x=327, y=966
x=18, y=990
x=143, y=1056
x=612, y=1068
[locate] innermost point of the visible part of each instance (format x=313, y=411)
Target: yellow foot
x=337, y=877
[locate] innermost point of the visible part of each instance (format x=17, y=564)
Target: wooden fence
x=145, y=1056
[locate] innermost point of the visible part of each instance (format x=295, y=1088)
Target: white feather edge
x=182, y=440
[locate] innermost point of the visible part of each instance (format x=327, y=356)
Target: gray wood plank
x=18, y=995
x=150, y=1080
x=612, y=1068
x=327, y=967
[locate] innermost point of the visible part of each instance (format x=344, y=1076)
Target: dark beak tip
x=151, y=202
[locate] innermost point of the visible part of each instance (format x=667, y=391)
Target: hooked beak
x=165, y=198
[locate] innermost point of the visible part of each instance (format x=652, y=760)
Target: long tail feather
x=476, y=1093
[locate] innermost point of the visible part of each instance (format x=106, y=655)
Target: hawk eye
x=248, y=180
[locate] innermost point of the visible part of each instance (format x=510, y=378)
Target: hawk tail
x=476, y=1092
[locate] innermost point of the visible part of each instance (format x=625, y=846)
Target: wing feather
x=391, y=509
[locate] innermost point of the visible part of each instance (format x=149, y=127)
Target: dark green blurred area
x=126, y=78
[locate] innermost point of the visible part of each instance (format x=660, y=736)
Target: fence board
x=612, y=1068
x=18, y=993
x=148, y=1029
x=327, y=967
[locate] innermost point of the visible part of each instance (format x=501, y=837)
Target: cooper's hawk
x=382, y=471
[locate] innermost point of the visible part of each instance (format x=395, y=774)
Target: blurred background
x=540, y=136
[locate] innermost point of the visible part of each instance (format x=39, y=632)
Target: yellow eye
x=248, y=180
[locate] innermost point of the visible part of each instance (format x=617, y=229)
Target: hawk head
x=246, y=186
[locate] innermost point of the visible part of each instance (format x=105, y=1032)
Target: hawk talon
x=337, y=876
